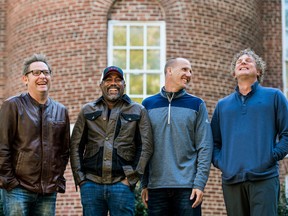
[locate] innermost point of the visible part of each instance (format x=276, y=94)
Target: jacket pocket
x=91, y=149
x=130, y=117
x=127, y=152
x=27, y=166
x=92, y=116
x=93, y=163
x=125, y=140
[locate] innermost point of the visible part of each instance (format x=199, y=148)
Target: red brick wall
x=272, y=42
x=2, y=47
x=73, y=34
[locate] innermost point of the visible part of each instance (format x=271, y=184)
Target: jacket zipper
x=169, y=107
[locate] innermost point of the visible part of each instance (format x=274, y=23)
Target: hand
x=199, y=197
x=144, y=196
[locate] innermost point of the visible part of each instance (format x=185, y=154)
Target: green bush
x=283, y=203
x=140, y=208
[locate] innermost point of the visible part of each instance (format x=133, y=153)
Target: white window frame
x=162, y=46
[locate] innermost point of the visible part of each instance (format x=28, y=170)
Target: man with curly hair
x=250, y=133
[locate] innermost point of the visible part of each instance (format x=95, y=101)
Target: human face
x=37, y=84
x=245, y=68
x=112, y=87
x=179, y=75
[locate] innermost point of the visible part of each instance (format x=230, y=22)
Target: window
x=139, y=49
x=285, y=46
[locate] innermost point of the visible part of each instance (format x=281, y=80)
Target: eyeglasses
x=38, y=72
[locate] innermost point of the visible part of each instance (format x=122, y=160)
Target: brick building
x=81, y=38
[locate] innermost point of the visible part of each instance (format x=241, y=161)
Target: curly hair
x=260, y=63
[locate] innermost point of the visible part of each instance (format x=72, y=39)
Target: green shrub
x=140, y=208
x=283, y=203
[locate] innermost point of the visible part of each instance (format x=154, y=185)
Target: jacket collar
x=254, y=87
x=167, y=95
x=36, y=102
x=124, y=97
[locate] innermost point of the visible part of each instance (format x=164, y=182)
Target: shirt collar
x=254, y=87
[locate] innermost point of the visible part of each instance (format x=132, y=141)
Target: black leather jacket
x=34, y=144
x=108, y=149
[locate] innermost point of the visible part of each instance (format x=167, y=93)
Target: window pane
x=136, y=36
x=136, y=84
x=136, y=59
x=153, y=59
x=136, y=47
x=153, y=36
x=119, y=58
x=153, y=83
x=138, y=100
x=119, y=36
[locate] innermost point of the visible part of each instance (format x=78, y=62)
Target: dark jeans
x=252, y=198
x=22, y=202
x=171, y=202
x=97, y=199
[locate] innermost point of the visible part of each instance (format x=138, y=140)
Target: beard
x=112, y=93
x=113, y=97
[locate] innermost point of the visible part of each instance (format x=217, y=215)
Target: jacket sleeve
x=217, y=140
x=204, y=146
x=77, y=146
x=144, y=179
x=281, y=112
x=144, y=147
x=66, y=142
x=8, y=132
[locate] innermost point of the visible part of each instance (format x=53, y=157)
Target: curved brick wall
x=73, y=34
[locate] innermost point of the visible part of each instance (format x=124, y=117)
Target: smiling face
x=37, y=85
x=112, y=87
x=178, y=75
x=245, y=68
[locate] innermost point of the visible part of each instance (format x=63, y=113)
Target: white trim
x=144, y=48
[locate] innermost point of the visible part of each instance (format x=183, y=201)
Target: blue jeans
x=22, y=202
x=172, y=202
x=97, y=199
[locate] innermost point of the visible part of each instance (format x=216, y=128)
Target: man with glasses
x=34, y=144
x=110, y=146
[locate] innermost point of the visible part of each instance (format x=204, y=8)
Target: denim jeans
x=172, y=202
x=98, y=199
x=22, y=202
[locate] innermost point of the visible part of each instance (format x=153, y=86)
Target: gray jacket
x=182, y=141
